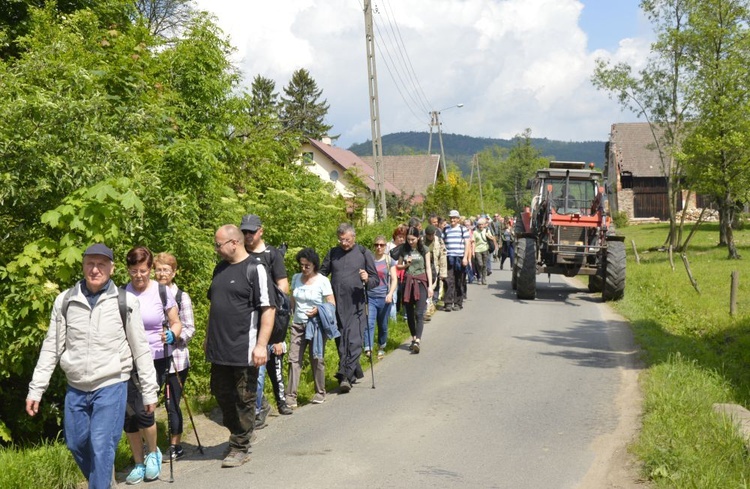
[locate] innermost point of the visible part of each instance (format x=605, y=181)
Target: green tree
x=718, y=150
x=302, y=111
x=453, y=193
x=660, y=93
x=522, y=162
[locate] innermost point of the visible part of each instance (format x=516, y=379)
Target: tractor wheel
x=513, y=275
x=525, y=269
x=614, y=272
x=595, y=283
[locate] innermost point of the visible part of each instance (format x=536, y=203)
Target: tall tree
x=660, y=93
x=165, y=18
x=302, y=111
x=522, y=162
x=718, y=150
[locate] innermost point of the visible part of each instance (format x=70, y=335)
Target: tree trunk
x=726, y=216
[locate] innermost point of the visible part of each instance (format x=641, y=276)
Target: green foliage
x=620, y=219
x=302, y=111
x=48, y=465
x=454, y=193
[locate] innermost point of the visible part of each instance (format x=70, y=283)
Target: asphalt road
x=505, y=394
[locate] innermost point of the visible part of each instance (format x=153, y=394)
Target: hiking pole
x=367, y=316
x=167, y=403
x=187, y=405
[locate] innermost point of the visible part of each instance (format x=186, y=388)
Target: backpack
x=283, y=306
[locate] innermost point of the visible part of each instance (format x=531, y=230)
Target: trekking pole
x=367, y=315
x=187, y=405
x=167, y=403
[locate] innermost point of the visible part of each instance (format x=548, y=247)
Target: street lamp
x=435, y=121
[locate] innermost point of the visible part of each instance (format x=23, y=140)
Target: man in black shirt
x=273, y=260
x=240, y=321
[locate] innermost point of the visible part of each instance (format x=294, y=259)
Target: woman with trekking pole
x=165, y=268
x=414, y=259
x=158, y=309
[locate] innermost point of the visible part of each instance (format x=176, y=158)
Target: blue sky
x=514, y=64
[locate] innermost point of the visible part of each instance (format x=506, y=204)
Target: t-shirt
x=309, y=295
x=234, y=315
x=418, y=265
x=152, y=313
x=454, y=237
x=381, y=266
x=480, y=238
x=273, y=260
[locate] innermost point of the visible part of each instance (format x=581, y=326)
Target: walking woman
x=380, y=298
x=309, y=289
x=162, y=324
x=414, y=259
x=165, y=268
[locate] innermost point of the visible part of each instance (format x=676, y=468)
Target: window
x=307, y=159
x=334, y=175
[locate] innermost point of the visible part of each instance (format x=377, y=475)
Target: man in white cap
x=97, y=335
x=456, y=238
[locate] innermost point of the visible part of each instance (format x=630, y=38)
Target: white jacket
x=93, y=348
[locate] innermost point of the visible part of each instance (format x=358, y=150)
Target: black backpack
x=283, y=306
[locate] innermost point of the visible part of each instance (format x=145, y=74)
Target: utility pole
x=475, y=163
x=435, y=122
x=377, y=142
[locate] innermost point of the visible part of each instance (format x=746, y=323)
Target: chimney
x=326, y=140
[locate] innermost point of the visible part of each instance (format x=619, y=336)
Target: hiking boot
x=381, y=354
x=260, y=417
x=415, y=347
x=447, y=308
x=345, y=386
x=235, y=458
x=284, y=409
x=136, y=475
x=318, y=399
x=153, y=465
x=368, y=353
x=174, y=452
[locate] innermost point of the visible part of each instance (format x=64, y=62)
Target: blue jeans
x=93, y=427
x=381, y=312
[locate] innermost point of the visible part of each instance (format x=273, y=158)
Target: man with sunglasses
x=240, y=321
x=271, y=258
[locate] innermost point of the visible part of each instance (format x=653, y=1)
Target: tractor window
x=580, y=194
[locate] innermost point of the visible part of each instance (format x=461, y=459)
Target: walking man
x=351, y=268
x=271, y=258
x=97, y=335
x=240, y=320
x=458, y=247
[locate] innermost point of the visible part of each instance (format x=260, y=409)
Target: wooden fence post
x=690, y=274
x=671, y=260
x=635, y=252
x=733, y=292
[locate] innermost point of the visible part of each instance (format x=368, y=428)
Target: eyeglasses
x=247, y=231
x=379, y=245
x=163, y=271
x=219, y=245
x=135, y=273
x=345, y=240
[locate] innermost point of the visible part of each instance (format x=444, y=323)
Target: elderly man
x=240, y=321
x=97, y=335
x=351, y=268
x=457, y=239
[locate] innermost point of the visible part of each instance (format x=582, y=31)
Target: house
x=337, y=165
x=635, y=174
x=411, y=174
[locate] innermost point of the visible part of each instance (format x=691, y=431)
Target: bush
x=620, y=219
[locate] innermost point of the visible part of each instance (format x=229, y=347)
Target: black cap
x=250, y=222
x=430, y=229
x=99, y=249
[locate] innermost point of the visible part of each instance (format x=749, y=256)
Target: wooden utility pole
x=377, y=142
x=475, y=164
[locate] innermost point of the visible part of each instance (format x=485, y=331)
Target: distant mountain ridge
x=460, y=148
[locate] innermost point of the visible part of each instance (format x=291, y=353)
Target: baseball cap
x=454, y=213
x=250, y=222
x=430, y=230
x=99, y=249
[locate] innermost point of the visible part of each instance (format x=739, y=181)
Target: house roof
x=635, y=150
x=349, y=161
x=412, y=174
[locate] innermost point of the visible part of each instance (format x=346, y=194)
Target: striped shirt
x=454, y=239
x=180, y=352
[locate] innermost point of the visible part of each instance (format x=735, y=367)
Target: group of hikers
x=118, y=346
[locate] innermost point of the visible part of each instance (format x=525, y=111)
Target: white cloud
x=513, y=63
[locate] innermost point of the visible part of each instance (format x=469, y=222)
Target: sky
x=513, y=64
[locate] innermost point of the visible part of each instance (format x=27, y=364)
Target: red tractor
x=568, y=231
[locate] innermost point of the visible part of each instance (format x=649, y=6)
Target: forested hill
x=460, y=148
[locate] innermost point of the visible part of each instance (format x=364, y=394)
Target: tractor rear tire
x=595, y=283
x=614, y=272
x=525, y=269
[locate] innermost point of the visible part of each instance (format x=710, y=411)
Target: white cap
x=454, y=213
